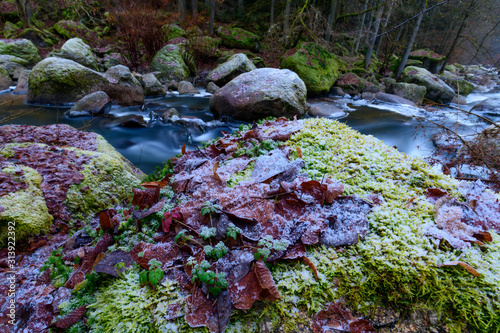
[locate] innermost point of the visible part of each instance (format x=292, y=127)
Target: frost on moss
x=26, y=207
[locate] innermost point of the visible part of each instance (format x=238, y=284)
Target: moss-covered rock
x=69, y=29
x=459, y=84
x=431, y=61
x=234, y=66
x=21, y=48
x=317, y=67
x=437, y=90
x=123, y=87
x=233, y=37
x=62, y=81
x=13, y=65
x=172, y=31
x=24, y=209
x=410, y=91
x=5, y=80
x=169, y=64
x=39, y=37
x=351, y=83
x=9, y=29
x=75, y=49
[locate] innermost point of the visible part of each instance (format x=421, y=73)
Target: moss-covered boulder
x=410, y=91
x=21, y=48
x=69, y=29
x=70, y=175
x=9, y=29
x=75, y=49
x=261, y=93
x=172, y=31
x=5, y=80
x=169, y=64
x=351, y=83
x=123, y=87
x=238, y=38
x=39, y=37
x=437, y=90
x=317, y=67
x=458, y=83
x=431, y=61
x=61, y=81
x=151, y=85
x=13, y=65
x=234, y=66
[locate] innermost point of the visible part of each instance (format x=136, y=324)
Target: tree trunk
x=376, y=26
x=384, y=26
x=23, y=11
x=361, y=26
x=194, y=10
x=457, y=37
x=212, y=17
x=404, y=59
x=241, y=8
x=182, y=9
x=286, y=24
x=331, y=20
x=272, y=14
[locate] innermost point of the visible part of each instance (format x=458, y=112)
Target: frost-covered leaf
x=461, y=264
x=109, y=264
x=70, y=319
x=337, y=318
x=165, y=253
x=145, y=198
x=266, y=280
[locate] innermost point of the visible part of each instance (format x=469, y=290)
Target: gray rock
x=75, y=49
x=123, y=87
x=94, y=104
x=261, y=93
x=167, y=115
x=132, y=120
x=460, y=100
x=5, y=80
x=20, y=48
x=22, y=82
x=151, y=85
x=489, y=105
x=337, y=91
x=212, y=88
x=234, y=66
x=410, y=91
x=368, y=96
x=437, y=90
x=112, y=59
x=186, y=87
x=173, y=85
x=390, y=98
x=325, y=109
x=13, y=65
x=169, y=64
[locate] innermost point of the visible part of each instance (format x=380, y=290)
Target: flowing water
x=148, y=147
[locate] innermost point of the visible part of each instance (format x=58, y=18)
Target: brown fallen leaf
x=337, y=318
x=311, y=265
x=160, y=184
x=265, y=279
x=70, y=319
x=299, y=152
x=214, y=170
x=483, y=236
x=183, y=150
x=462, y=264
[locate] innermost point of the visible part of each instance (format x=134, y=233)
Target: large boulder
x=47, y=177
x=21, y=48
x=69, y=29
x=458, y=83
x=169, y=64
x=123, y=87
x=317, y=67
x=437, y=90
x=261, y=93
x=75, y=49
x=234, y=66
x=62, y=81
x=410, y=91
x=93, y=104
x=13, y=65
x=351, y=83
x=151, y=85
x=5, y=80
x=238, y=38
x=431, y=61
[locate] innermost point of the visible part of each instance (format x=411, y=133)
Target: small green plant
x=232, y=231
x=207, y=232
x=153, y=276
x=59, y=272
x=209, y=208
x=268, y=244
x=216, y=252
x=216, y=281
x=182, y=237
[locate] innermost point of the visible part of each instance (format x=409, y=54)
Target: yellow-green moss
x=26, y=208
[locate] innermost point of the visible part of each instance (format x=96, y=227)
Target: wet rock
x=151, y=85
x=368, y=96
x=337, y=91
x=5, y=80
x=460, y=100
x=97, y=103
x=13, y=65
x=75, y=49
x=437, y=90
x=390, y=98
x=351, y=83
x=132, y=120
x=167, y=115
x=212, y=88
x=458, y=83
x=234, y=66
x=186, y=87
x=169, y=64
x=173, y=85
x=325, y=108
x=21, y=48
x=22, y=82
x=189, y=121
x=123, y=87
x=410, y=91
x=490, y=105
x=261, y=93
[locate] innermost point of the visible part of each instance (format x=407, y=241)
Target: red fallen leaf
x=483, y=236
x=434, y=194
x=462, y=264
x=183, y=149
x=337, y=318
x=145, y=198
x=168, y=217
x=295, y=252
x=108, y=264
x=245, y=292
x=266, y=280
x=200, y=309
x=44, y=278
x=105, y=219
x=160, y=184
x=174, y=310
x=70, y=319
x=139, y=215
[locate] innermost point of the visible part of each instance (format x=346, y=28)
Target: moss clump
x=317, y=67
x=26, y=207
x=170, y=64
x=238, y=38
x=21, y=48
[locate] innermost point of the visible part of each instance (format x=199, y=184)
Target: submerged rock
x=234, y=66
x=131, y=120
x=437, y=90
x=261, y=93
x=168, y=114
x=395, y=99
x=94, y=104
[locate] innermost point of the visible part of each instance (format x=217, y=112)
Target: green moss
x=170, y=64
x=238, y=38
x=317, y=67
x=59, y=272
x=23, y=49
x=26, y=208
x=243, y=175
